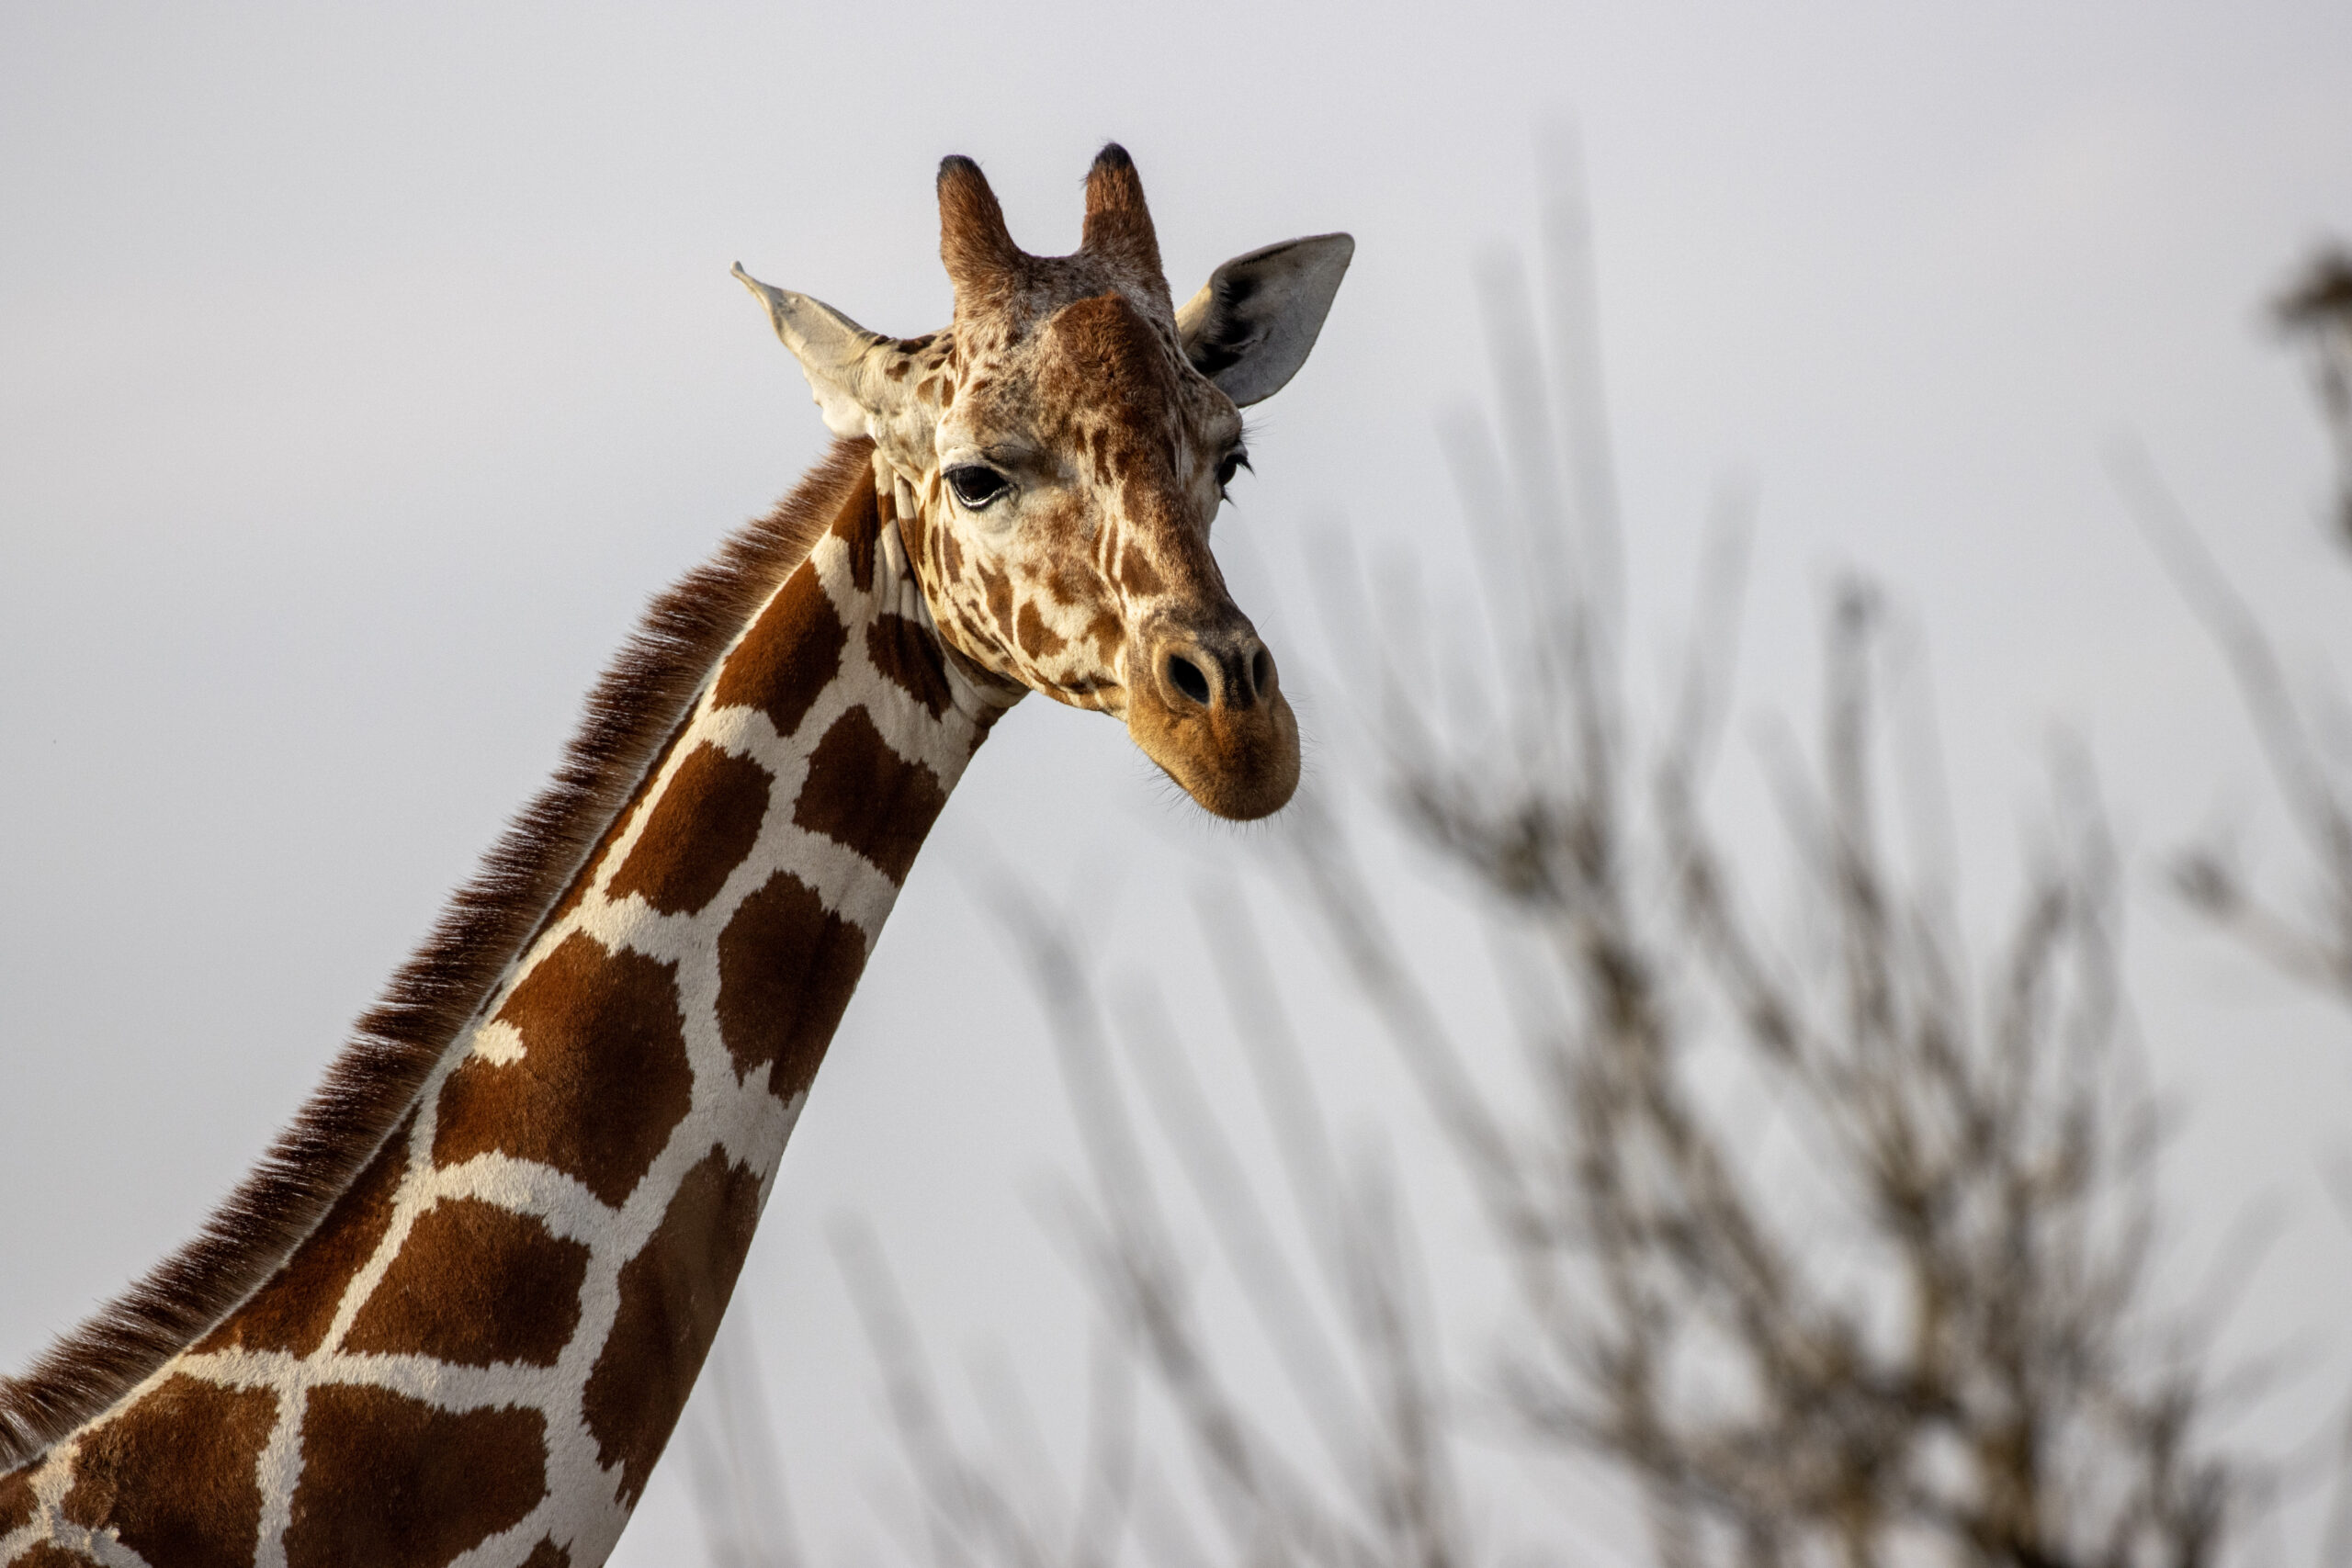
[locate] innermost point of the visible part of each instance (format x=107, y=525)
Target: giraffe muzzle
x=1213, y=716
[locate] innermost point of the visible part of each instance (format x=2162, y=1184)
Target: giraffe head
x=1059, y=452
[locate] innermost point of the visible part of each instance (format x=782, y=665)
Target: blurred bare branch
x=731, y=1464
x=1384, y=1491
x=2303, y=742
x=2317, y=310
x=2316, y=788
x=975, y=1514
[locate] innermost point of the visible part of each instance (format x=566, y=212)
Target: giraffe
x=454, y=1314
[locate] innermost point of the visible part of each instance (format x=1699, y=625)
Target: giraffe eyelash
x=1229, y=466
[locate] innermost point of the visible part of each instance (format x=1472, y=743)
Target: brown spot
x=173, y=1473
x=915, y=531
x=548, y=1554
x=858, y=524
x=895, y=371
x=927, y=388
x=391, y=1482
x=952, y=551
x=613, y=829
x=1067, y=583
x=16, y=1501
x=1098, y=448
x=910, y=660
x=700, y=829
x=475, y=1284
x=603, y=1080
x=292, y=1310
x=862, y=793
x=671, y=1296
x=1104, y=632
x=789, y=656
x=1136, y=573
x=999, y=586
x=1036, y=639
x=786, y=966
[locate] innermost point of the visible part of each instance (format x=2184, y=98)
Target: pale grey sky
x=365, y=368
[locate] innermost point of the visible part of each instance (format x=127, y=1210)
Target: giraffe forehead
x=1096, y=379
x=1116, y=368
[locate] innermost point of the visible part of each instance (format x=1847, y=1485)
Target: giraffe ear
x=846, y=365
x=1250, y=326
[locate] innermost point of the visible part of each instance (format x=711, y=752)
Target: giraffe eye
x=977, y=484
x=1233, y=463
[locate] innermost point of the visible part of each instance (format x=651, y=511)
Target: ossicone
x=1118, y=224
x=974, y=244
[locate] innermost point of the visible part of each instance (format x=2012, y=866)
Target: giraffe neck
x=483, y=1346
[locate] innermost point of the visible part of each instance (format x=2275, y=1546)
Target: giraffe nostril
x=1261, y=673
x=1186, y=677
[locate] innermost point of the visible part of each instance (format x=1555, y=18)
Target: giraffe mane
x=373, y=1081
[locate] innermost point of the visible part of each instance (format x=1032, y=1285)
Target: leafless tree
x=1949, y=1354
